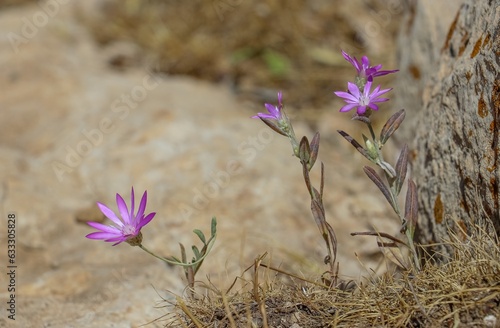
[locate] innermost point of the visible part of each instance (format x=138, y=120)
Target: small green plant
x=360, y=97
x=128, y=229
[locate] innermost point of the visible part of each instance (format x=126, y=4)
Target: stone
x=74, y=131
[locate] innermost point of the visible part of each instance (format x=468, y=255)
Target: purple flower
x=274, y=111
x=128, y=228
x=355, y=99
x=364, y=69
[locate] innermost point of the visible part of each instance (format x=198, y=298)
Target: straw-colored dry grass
x=464, y=292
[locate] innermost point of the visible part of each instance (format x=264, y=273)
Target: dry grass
x=464, y=292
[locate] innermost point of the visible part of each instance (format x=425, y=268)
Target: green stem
x=211, y=243
x=372, y=134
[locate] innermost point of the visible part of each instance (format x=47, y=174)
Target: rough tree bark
x=456, y=157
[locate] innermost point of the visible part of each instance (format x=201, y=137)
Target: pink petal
x=348, y=107
x=103, y=227
x=142, y=206
x=101, y=235
x=347, y=97
x=146, y=220
x=132, y=198
x=353, y=89
x=110, y=214
x=122, y=208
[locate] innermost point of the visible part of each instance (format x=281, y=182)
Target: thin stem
x=180, y=263
x=372, y=133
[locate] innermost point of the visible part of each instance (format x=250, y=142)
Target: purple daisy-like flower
x=275, y=112
x=364, y=69
x=128, y=228
x=355, y=99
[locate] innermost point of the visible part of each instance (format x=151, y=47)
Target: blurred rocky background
x=98, y=96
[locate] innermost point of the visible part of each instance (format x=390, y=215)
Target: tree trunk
x=456, y=158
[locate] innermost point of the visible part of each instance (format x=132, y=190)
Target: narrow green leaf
x=200, y=235
x=213, y=227
x=183, y=253
x=196, y=253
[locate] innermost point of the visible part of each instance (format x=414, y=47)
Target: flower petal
x=146, y=220
x=262, y=115
x=132, y=199
x=103, y=227
x=347, y=96
x=110, y=214
x=348, y=107
x=353, y=89
x=142, y=207
x=122, y=208
x=274, y=111
x=361, y=110
x=101, y=235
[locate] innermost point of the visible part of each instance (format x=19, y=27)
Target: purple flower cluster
x=360, y=95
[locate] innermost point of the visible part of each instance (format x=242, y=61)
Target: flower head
x=355, y=99
x=364, y=69
x=277, y=119
x=128, y=228
x=275, y=112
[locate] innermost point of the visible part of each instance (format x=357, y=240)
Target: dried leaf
x=316, y=194
x=322, y=185
x=318, y=214
x=307, y=179
x=361, y=118
x=355, y=144
x=326, y=230
x=387, y=168
x=411, y=206
x=304, y=150
x=314, y=150
x=401, y=169
x=271, y=123
x=333, y=244
x=391, y=126
x=380, y=184
x=379, y=234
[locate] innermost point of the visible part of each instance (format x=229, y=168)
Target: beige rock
x=74, y=132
